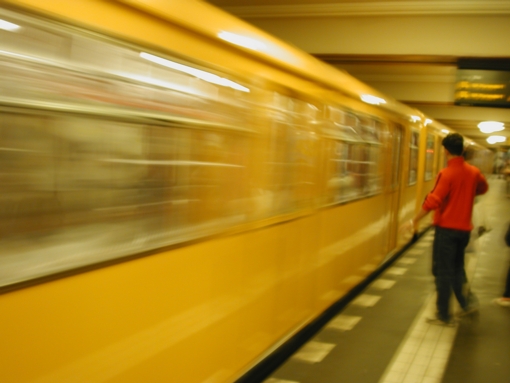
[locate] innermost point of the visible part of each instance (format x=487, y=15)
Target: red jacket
x=454, y=193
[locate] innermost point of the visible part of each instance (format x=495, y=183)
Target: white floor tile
x=422, y=342
x=366, y=300
x=410, y=348
x=428, y=379
x=407, y=261
x=382, y=284
x=396, y=271
x=436, y=372
x=424, y=354
x=394, y=377
x=404, y=358
x=313, y=352
x=417, y=369
x=400, y=367
x=437, y=363
x=344, y=322
x=412, y=379
x=273, y=380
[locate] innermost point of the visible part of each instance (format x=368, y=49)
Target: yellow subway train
x=182, y=194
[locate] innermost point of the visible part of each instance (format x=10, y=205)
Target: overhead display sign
x=483, y=88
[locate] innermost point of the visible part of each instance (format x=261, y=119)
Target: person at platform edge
x=452, y=200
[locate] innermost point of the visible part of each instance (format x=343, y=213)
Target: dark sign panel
x=483, y=88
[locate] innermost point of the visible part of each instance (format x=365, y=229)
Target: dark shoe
x=440, y=322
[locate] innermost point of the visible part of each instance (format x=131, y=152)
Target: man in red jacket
x=452, y=201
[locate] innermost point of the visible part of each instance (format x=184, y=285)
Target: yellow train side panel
x=344, y=261
x=189, y=314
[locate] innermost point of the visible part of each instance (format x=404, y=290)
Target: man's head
x=454, y=143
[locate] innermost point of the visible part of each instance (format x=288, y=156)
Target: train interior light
x=374, y=100
x=8, y=26
x=203, y=75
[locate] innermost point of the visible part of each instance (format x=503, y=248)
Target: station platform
x=382, y=336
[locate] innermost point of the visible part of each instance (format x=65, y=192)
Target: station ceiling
x=408, y=49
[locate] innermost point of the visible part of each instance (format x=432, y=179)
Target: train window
x=395, y=153
x=354, y=168
x=290, y=162
x=105, y=189
x=429, y=157
x=342, y=124
x=305, y=118
x=370, y=129
x=413, y=157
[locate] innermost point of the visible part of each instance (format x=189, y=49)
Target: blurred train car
x=182, y=193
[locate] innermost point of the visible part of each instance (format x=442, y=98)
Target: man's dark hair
x=454, y=143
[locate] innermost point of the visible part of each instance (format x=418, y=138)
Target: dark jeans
x=448, y=269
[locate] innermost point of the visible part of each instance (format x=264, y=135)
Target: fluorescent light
x=491, y=126
x=490, y=130
x=7, y=26
x=495, y=139
x=157, y=82
x=243, y=41
x=369, y=99
x=428, y=121
x=445, y=131
x=203, y=75
x=415, y=118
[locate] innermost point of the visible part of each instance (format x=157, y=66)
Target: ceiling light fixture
x=495, y=139
x=491, y=126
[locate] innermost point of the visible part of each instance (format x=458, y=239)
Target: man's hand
x=408, y=227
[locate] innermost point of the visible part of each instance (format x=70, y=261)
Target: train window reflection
x=203, y=75
x=396, y=139
x=8, y=26
x=413, y=157
x=353, y=153
x=103, y=187
x=429, y=157
x=289, y=177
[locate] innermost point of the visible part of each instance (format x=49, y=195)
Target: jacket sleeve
x=435, y=198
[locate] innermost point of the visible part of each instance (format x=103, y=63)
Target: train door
x=394, y=176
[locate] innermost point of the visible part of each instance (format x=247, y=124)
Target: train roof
x=220, y=25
